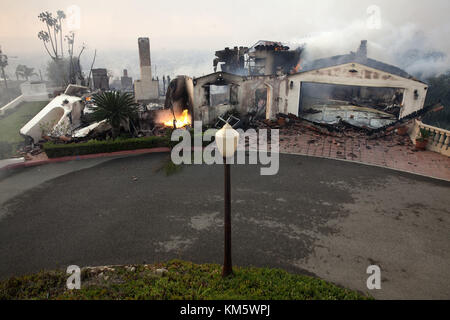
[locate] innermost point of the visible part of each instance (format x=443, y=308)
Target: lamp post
x=227, y=140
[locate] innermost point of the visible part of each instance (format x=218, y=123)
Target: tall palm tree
x=61, y=16
x=114, y=106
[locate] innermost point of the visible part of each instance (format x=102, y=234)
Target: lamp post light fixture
x=227, y=141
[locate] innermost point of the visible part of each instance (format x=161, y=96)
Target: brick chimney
x=144, y=58
x=362, y=50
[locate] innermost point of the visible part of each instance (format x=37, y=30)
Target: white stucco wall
x=283, y=92
x=34, y=91
x=12, y=104
x=364, y=76
x=54, y=112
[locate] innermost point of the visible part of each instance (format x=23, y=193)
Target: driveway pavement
x=318, y=216
x=391, y=152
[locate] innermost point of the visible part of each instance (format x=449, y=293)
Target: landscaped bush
x=54, y=150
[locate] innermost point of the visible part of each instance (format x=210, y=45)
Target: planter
x=402, y=131
x=421, y=144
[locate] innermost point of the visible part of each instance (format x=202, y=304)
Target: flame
x=298, y=67
x=182, y=120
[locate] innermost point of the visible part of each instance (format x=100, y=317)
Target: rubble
x=338, y=135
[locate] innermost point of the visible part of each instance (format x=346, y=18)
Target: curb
x=83, y=157
x=12, y=161
x=165, y=149
x=369, y=164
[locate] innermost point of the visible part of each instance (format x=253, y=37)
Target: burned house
x=221, y=92
x=231, y=60
x=352, y=88
x=270, y=57
x=100, y=79
x=126, y=82
x=263, y=58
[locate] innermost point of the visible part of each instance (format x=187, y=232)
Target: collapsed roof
x=360, y=57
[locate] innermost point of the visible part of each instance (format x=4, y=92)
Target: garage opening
x=360, y=106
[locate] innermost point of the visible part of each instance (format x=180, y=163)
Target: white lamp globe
x=227, y=141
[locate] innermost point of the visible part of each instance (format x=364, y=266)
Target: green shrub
x=183, y=280
x=424, y=134
x=94, y=146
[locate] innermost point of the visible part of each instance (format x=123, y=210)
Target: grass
x=10, y=138
x=169, y=167
x=184, y=280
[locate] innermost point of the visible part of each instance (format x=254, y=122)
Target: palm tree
x=61, y=16
x=114, y=106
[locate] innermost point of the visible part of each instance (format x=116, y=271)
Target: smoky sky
x=326, y=27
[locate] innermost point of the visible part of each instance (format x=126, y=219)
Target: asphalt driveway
x=323, y=217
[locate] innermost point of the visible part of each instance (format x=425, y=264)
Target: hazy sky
x=330, y=27
x=201, y=24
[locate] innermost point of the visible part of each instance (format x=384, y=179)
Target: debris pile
x=290, y=125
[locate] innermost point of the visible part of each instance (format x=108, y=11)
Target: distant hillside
x=439, y=91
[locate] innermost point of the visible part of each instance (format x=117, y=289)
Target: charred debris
x=350, y=91
x=266, y=85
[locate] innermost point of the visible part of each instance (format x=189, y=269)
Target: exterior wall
x=126, y=82
x=245, y=88
x=100, y=79
x=283, y=92
x=361, y=76
x=34, y=91
x=53, y=113
x=11, y=105
x=30, y=92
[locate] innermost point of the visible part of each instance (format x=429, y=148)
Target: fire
x=182, y=120
x=298, y=67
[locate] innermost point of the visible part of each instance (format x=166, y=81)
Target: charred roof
x=358, y=57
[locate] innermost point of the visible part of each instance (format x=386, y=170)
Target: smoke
x=420, y=50
x=164, y=63
x=407, y=46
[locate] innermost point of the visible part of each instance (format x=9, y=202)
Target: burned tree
x=53, y=39
x=179, y=95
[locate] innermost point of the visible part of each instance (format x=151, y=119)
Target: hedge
x=54, y=150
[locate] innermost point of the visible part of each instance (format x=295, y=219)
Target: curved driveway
x=328, y=218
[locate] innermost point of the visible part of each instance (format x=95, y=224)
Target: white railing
x=11, y=105
x=439, y=140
